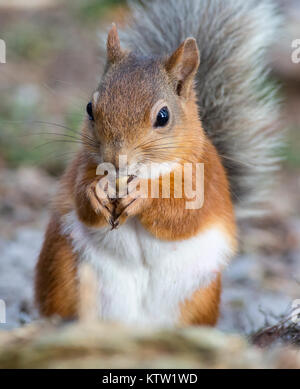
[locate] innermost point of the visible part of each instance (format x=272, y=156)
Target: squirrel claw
x=114, y=224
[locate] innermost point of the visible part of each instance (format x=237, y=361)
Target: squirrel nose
x=111, y=156
x=118, y=161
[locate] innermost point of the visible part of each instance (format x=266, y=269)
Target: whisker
x=141, y=145
x=87, y=141
x=61, y=126
x=58, y=141
x=53, y=154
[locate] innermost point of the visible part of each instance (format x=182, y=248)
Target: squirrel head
x=145, y=107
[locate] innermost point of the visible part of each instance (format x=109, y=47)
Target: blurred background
x=53, y=63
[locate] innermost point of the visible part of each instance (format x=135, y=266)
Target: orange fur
x=56, y=282
x=203, y=307
x=128, y=85
x=168, y=218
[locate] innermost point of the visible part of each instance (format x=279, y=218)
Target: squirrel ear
x=183, y=65
x=114, y=51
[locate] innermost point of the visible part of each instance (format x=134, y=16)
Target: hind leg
x=56, y=286
x=203, y=307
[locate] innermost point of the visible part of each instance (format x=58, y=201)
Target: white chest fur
x=143, y=279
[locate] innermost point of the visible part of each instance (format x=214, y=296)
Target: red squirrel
x=184, y=83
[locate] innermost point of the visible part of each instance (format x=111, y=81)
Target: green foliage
x=95, y=9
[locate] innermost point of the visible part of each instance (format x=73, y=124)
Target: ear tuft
x=182, y=66
x=114, y=51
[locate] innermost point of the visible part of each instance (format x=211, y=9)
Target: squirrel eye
x=162, y=118
x=89, y=110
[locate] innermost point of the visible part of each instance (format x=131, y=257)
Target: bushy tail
x=237, y=103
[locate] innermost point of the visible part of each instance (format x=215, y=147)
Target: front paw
x=100, y=201
x=131, y=205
